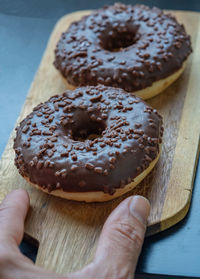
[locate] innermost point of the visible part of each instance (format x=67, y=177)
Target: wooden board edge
x=166, y=223
x=169, y=222
x=188, y=136
x=179, y=216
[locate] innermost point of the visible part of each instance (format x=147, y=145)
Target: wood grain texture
x=68, y=231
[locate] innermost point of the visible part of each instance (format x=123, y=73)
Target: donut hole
x=91, y=131
x=116, y=39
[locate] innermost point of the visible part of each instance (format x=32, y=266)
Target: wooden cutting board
x=68, y=231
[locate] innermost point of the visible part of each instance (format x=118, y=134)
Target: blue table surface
x=25, y=27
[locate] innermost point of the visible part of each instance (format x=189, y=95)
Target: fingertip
x=13, y=211
x=20, y=195
x=23, y=193
x=20, y=191
x=142, y=198
x=139, y=207
x=16, y=202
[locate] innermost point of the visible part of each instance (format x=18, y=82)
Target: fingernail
x=140, y=208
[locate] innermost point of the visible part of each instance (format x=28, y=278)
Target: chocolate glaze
x=53, y=149
x=122, y=46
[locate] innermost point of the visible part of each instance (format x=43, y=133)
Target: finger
x=13, y=212
x=122, y=237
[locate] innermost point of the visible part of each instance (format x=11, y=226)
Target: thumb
x=122, y=237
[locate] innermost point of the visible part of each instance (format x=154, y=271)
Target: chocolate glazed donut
x=91, y=144
x=136, y=48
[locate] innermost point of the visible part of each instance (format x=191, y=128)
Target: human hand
x=117, y=253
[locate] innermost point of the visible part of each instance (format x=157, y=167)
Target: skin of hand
x=117, y=252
